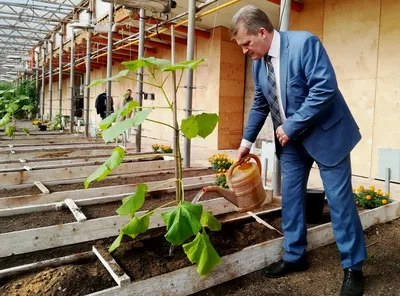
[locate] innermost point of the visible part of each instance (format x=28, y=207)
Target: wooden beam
x=117, y=273
x=46, y=263
x=79, y=172
x=75, y=210
x=41, y=187
x=295, y=6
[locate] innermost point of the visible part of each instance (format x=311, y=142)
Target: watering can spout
x=225, y=193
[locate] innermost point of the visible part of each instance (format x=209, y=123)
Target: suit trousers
x=296, y=165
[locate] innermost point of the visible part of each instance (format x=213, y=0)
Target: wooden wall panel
x=387, y=105
x=311, y=19
x=351, y=37
x=360, y=97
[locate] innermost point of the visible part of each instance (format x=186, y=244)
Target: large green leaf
x=117, y=129
x=28, y=107
x=202, y=252
x=5, y=120
x=182, y=222
x=9, y=130
x=208, y=220
x=122, y=73
x=116, y=243
x=13, y=107
x=192, y=64
x=106, y=122
x=207, y=123
x=105, y=169
x=190, y=127
x=135, y=226
x=128, y=108
x=134, y=202
x=133, y=66
x=26, y=131
x=200, y=125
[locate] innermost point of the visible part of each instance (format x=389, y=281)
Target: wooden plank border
x=15, y=178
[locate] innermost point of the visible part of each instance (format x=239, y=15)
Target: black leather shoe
x=353, y=284
x=282, y=268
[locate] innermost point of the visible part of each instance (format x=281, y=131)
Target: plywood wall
x=361, y=37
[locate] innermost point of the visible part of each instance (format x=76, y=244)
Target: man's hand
x=242, y=151
x=282, y=137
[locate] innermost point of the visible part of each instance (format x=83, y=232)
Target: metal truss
x=24, y=24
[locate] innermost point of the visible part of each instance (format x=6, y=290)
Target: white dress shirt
x=274, y=52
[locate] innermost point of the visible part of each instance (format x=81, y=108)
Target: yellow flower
x=219, y=170
x=372, y=188
x=219, y=162
x=368, y=197
x=384, y=201
x=354, y=190
x=387, y=194
x=361, y=186
x=216, y=175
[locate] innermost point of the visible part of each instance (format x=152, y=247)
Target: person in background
x=295, y=82
x=101, y=104
x=128, y=98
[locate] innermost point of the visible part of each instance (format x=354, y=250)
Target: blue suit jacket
x=317, y=114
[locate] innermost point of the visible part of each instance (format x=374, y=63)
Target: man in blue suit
x=295, y=83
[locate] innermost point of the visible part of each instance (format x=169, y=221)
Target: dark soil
x=153, y=200
x=35, y=220
x=31, y=190
x=128, y=180
x=151, y=256
x=325, y=275
x=67, y=280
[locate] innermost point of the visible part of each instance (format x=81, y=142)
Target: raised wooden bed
x=186, y=281
x=14, y=178
x=94, y=195
x=18, y=242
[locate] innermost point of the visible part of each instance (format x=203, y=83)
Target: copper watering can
x=244, y=181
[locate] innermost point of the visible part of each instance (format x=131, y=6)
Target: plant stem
x=159, y=122
x=148, y=83
x=163, y=184
x=150, y=212
x=180, y=79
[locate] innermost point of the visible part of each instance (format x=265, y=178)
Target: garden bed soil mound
x=129, y=180
x=153, y=200
x=151, y=256
x=67, y=280
x=35, y=220
x=31, y=190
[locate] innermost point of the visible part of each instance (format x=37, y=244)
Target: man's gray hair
x=252, y=19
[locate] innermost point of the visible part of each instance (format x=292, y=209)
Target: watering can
x=244, y=180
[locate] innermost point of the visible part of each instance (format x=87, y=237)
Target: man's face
x=129, y=92
x=255, y=46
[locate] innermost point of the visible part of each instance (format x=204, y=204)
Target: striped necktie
x=272, y=93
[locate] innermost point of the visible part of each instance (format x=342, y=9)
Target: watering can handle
x=243, y=160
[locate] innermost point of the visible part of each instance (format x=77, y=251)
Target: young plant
x=185, y=220
x=13, y=105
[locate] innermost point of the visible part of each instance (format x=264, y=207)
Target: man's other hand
x=242, y=151
x=282, y=137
